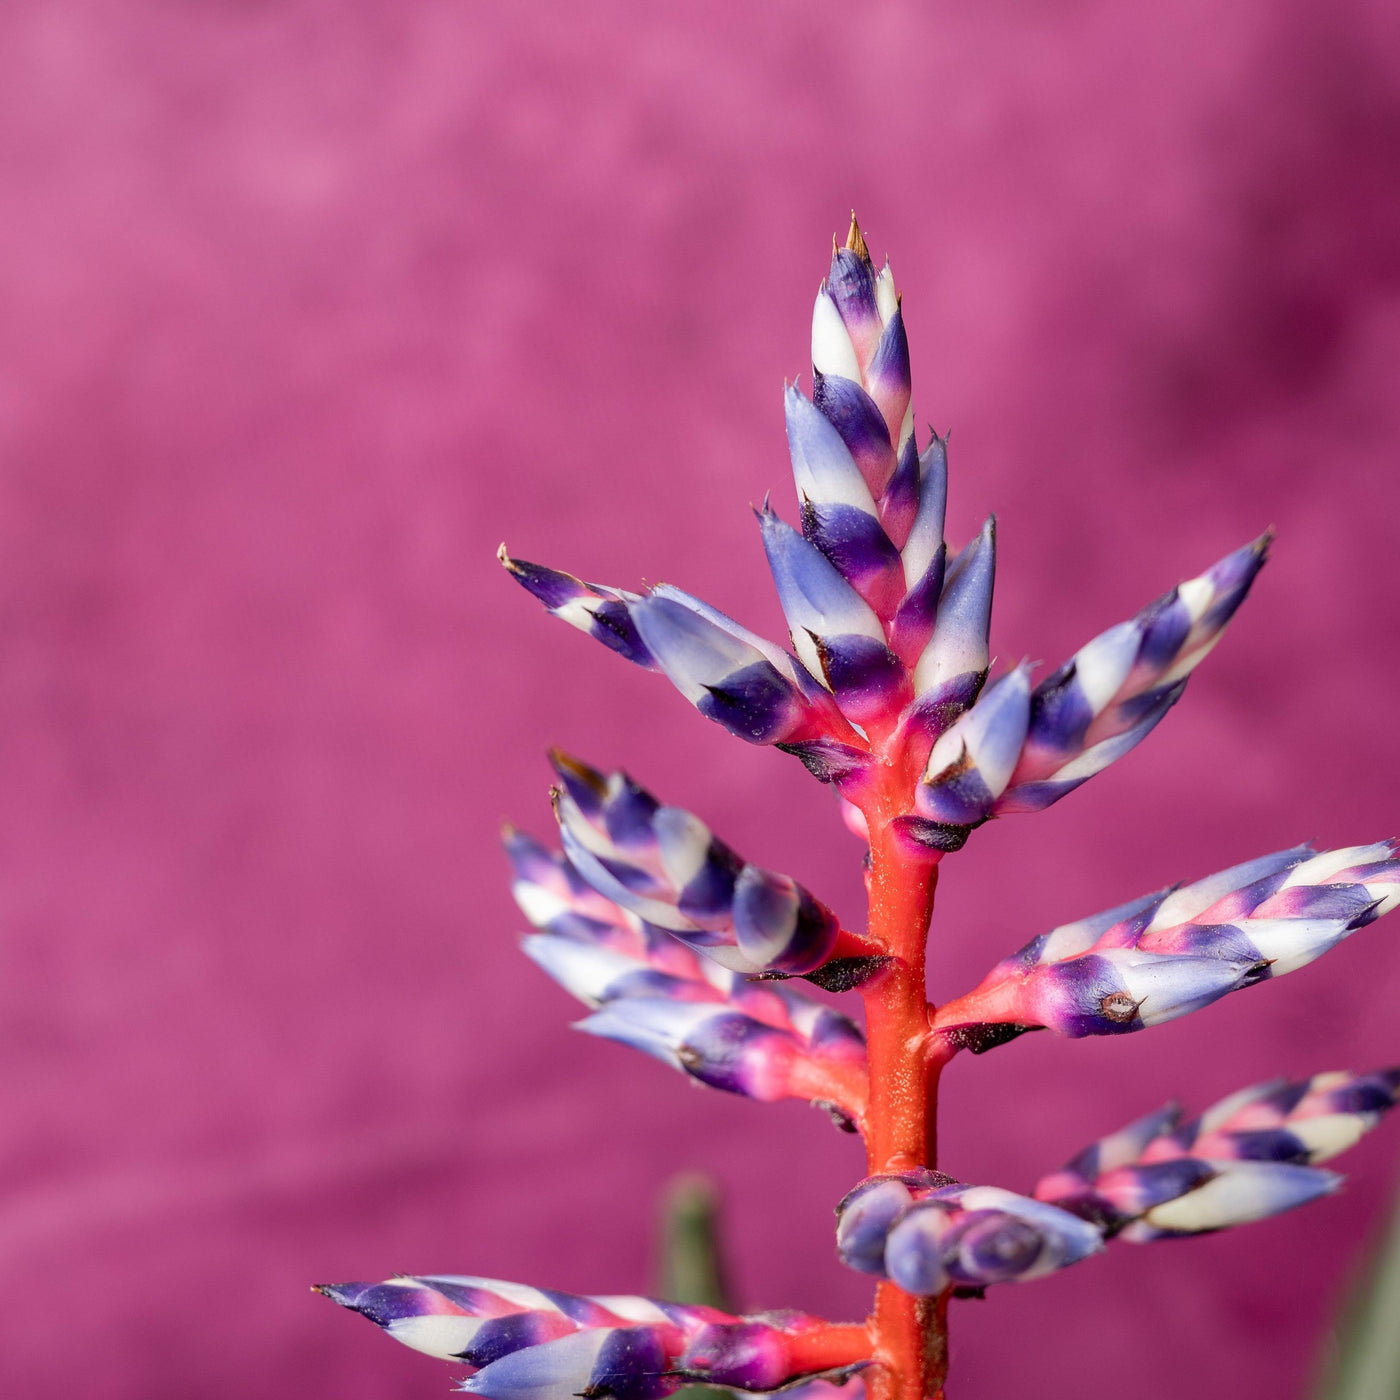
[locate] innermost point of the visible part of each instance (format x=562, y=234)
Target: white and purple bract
x=523, y=1343
x=1251, y=1156
x=1043, y=742
x=648, y=990
x=664, y=865
x=927, y=1232
x=1172, y=952
x=889, y=634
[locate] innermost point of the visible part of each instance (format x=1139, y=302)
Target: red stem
x=844, y=1086
x=909, y=1334
x=828, y=1348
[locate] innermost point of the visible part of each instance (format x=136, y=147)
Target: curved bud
x=1303, y=1121
x=599, y=611
x=1121, y=989
x=1246, y=1192
x=522, y=1343
x=1175, y=951
x=651, y=992
x=664, y=866
x=1250, y=1156
x=1109, y=696
x=719, y=1047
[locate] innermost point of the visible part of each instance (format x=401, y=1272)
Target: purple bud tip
x=551, y=586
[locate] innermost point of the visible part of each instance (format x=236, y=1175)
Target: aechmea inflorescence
x=890, y=638
x=684, y=949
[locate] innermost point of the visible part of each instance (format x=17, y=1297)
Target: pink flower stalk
x=684, y=949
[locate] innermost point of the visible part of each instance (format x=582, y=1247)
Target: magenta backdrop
x=307, y=306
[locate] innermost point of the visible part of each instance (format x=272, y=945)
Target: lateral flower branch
x=682, y=948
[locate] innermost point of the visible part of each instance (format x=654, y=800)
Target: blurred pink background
x=307, y=306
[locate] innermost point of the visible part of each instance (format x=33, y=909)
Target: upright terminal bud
x=953, y=664
x=861, y=359
x=1163, y=955
x=926, y=1232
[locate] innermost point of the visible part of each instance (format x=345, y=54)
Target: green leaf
x=691, y=1263
x=1362, y=1360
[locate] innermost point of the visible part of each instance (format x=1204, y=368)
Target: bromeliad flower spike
x=682, y=948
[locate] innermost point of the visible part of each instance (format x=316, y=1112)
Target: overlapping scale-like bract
x=1161, y=956
x=926, y=1232
x=1252, y=1155
x=650, y=991
x=523, y=1343
x=664, y=865
x=969, y=766
x=834, y=630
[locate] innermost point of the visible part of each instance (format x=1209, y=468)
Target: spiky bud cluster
x=523, y=1343
x=1252, y=1155
x=650, y=991
x=665, y=866
x=1022, y=748
x=1165, y=954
